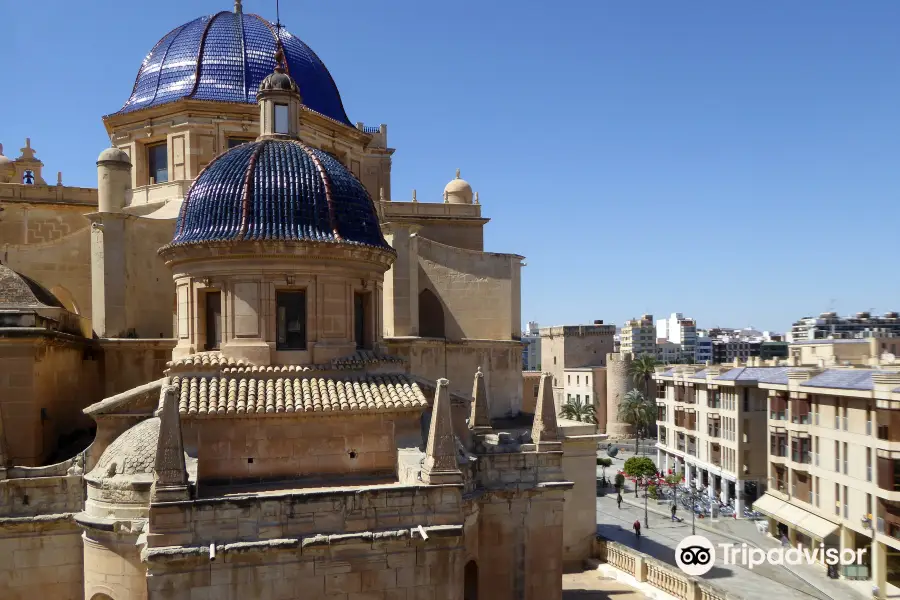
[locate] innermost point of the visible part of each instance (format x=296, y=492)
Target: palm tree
x=578, y=410
x=641, y=371
x=638, y=411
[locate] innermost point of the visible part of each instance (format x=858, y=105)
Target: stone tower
x=618, y=383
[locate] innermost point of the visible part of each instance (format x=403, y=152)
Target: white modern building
x=678, y=330
x=531, y=352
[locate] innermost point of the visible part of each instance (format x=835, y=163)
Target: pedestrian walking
x=637, y=528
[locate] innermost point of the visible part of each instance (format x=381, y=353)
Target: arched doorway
x=431, y=315
x=470, y=587
x=100, y=597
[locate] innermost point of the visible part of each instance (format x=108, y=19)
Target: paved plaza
x=803, y=582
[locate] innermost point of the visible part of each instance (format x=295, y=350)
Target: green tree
x=639, y=466
x=578, y=410
x=639, y=412
x=641, y=371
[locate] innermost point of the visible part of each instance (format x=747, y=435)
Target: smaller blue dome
x=278, y=189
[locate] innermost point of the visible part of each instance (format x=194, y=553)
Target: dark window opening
x=213, y=320
x=470, y=585
x=431, y=315
x=234, y=142
x=28, y=177
x=158, y=163
x=291, y=312
x=360, y=320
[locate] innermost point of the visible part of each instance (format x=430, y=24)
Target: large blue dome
x=224, y=58
x=278, y=189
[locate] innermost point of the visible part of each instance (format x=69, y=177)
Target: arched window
x=470, y=587
x=100, y=597
x=431, y=315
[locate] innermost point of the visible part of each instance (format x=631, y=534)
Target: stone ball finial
x=458, y=191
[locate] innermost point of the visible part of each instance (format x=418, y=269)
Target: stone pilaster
x=171, y=479
x=108, y=274
x=544, y=432
x=441, y=464
x=401, y=282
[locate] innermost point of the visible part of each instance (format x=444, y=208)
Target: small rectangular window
x=587, y=398
x=158, y=163
x=281, y=118
x=234, y=142
x=291, y=320
x=213, y=320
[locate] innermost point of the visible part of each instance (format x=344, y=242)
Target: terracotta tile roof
x=238, y=394
x=215, y=361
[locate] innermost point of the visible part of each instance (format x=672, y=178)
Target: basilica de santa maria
x=240, y=368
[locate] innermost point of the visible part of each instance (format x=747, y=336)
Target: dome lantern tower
x=279, y=103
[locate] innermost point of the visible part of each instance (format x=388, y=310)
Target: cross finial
x=457, y=173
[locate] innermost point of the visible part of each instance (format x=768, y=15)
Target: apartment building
x=711, y=425
x=531, y=349
x=678, y=330
x=834, y=464
x=830, y=325
x=638, y=336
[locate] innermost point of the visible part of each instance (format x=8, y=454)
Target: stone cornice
x=269, y=250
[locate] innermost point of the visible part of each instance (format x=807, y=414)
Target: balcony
x=715, y=454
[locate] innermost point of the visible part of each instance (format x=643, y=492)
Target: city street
x=659, y=541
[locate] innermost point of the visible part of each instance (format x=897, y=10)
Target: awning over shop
x=794, y=516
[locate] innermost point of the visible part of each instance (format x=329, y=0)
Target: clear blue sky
x=736, y=163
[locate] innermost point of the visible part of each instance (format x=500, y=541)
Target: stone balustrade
x=655, y=573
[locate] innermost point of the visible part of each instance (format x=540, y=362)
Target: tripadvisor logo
x=696, y=555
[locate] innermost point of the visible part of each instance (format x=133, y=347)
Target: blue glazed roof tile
x=223, y=58
x=844, y=379
x=278, y=190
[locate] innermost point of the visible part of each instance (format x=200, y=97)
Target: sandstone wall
x=520, y=528
x=280, y=547
x=42, y=558
x=480, y=291
x=128, y=363
x=321, y=447
x=618, y=383
x=150, y=290
x=63, y=263
x=579, y=464
x=501, y=363
x=46, y=371
x=531, y=381
x=458, y=235
x=40, y=544
x=113, y=567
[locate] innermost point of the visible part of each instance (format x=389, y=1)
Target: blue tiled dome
x=277, y=189
x=224, y=58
